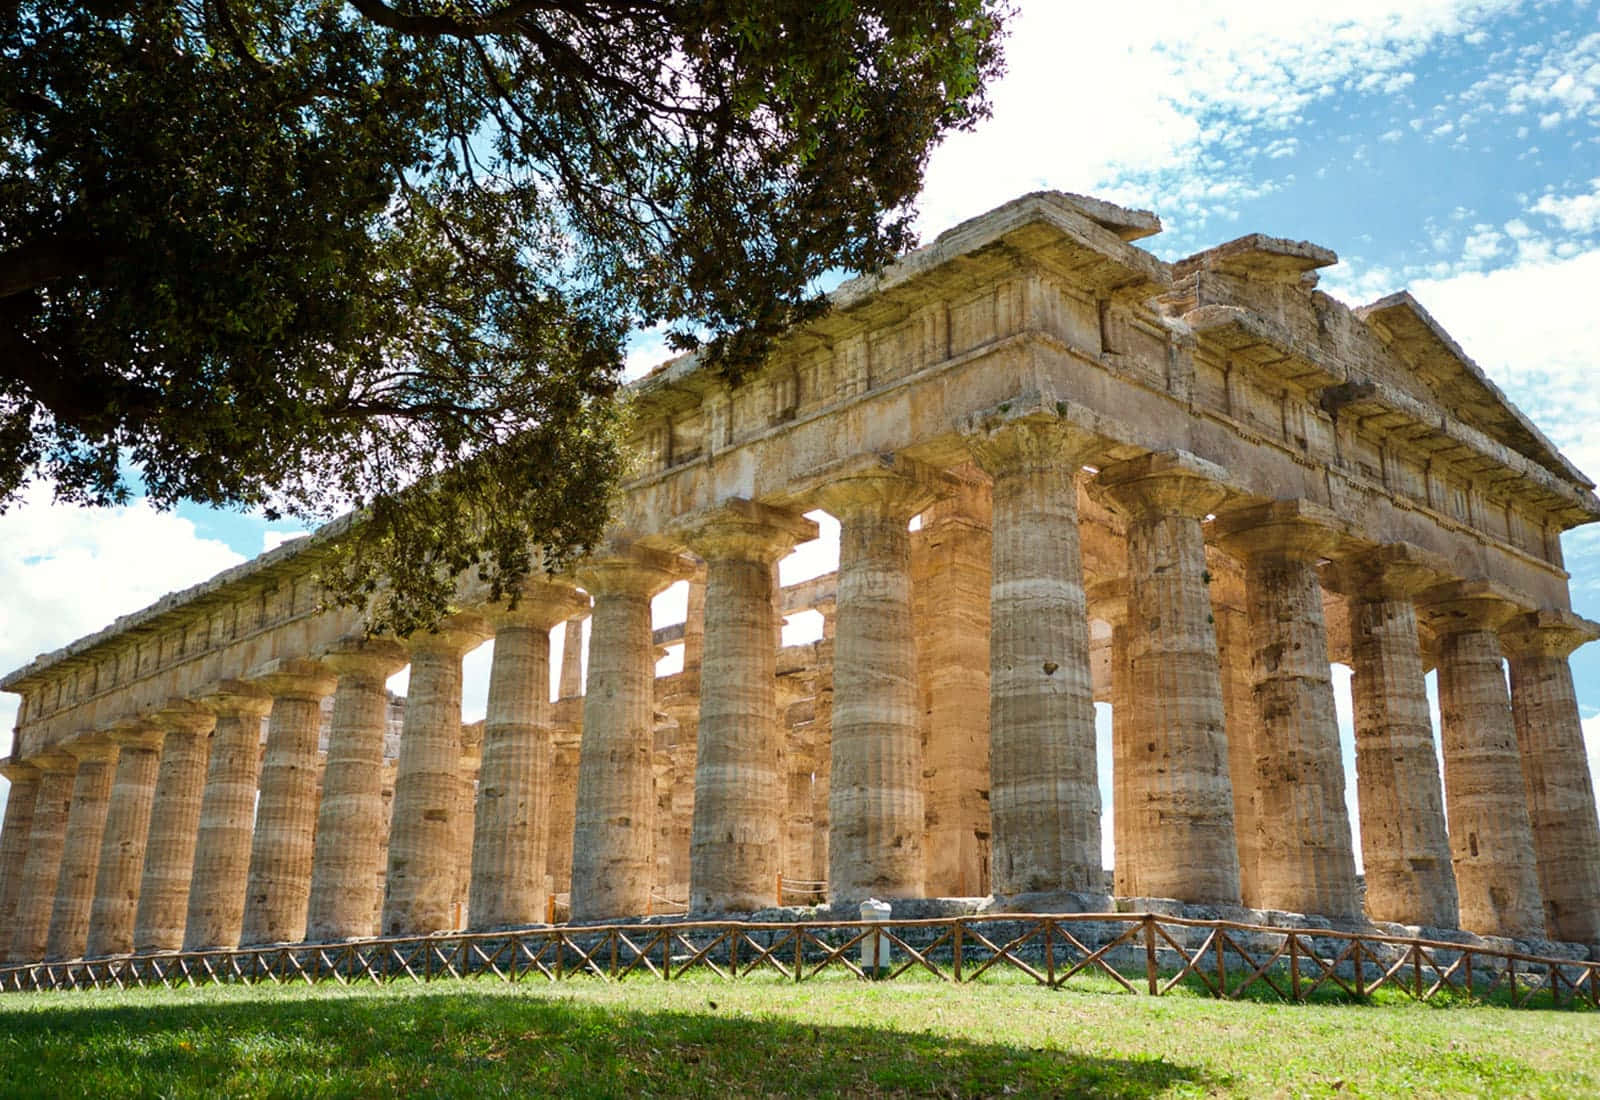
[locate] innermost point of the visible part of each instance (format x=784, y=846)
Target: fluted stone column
x=158, y=922
x=876, y=809
x=1108, y=602
x=15, y=838
x=227, y=819
x=1181, y=832
x=565, y=749
x=1555, y=770
x=122, y=847
x=80, y=856
x=613, y=839
x=279, y=882
x=419, y=891
x=1228, y=605
x=1491, y=839
x=511, y=826
x=1305, y=859
x=41, y=867
x=1404, y=846
x=1044, y=793
x=348, y=849
x=735, y=847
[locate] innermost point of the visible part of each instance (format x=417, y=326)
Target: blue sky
x=1448, y=146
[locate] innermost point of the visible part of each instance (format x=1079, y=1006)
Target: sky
x=1451, y=147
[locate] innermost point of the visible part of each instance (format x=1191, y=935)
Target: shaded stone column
x=735, y=848
x=15, y=839
x=348, y=851
x=1491, y=840
x=36, y=893
x=1181, y=833
x=80, y=855
x=613, y=841
x=950, y=568
x=122, y=847
x=1555, y=769
x=279, y=882
x=511, y=826
x=174, y=828
x=1228, y=605
x=419, y=891
x=227, y=819
x=565, y=748
x=683, y=706
x=1044, y=793
x=1305, y=858
x=1404, y=846
x=876, y=809
x=1108, y=602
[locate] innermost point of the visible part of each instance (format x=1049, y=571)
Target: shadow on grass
x=475, y=1044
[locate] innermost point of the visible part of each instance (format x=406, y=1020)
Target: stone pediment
x=1459, y=384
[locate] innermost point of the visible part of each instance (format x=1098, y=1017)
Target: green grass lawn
x=826, y=1037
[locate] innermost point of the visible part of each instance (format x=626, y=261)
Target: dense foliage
x=300, y=255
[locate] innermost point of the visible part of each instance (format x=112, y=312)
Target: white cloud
x=1574, y=213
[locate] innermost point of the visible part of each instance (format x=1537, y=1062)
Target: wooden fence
x=1123, y=952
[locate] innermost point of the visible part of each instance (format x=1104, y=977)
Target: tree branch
x=34, y=263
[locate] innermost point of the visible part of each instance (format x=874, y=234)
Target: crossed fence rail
x=1127, y=953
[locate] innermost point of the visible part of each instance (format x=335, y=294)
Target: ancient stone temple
x=1065, y=472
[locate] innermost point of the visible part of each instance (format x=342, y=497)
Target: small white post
x=875, y=948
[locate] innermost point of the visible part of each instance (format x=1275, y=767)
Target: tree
x=304, y=256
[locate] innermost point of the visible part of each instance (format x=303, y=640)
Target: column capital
x=142, y=732
x=1165, y=483
x=1394, y=570
x=294, y=678
x=238, y=697
x=1547, y=633
x=1029, y=435
x=620, y=568
x=381, y=657
x=186, y=716
x=53, y=761
x=1296, y=529
x=18, y=771
x=744, y=530
x=876, y=486
x=1460, y=607
x=92, y=748
x=539, y=605
x=453, y=636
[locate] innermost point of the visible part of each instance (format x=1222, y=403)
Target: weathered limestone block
x=1228, y=605
x=1555, y=769
x=41, y=867
x=1181, y=833
x=122, y=847
x=279, y=884
x=950, y=568
x=227, y=818
x=734, y=852
x=1304, y=859
x=347, y=853
x=511, y=825
x=571, y=686
x=419, y=892
x=1404, y=846
x=613, y=842
x=158, y=922
x=1044, y=792
x=80, y=856
x=465, y=814
x=1491, y=839
x=14, y=842
x=876, y=809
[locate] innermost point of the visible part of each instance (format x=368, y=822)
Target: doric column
x=347, y=853
x=1228, y=605
x=122, y=847
x=41, y=867
x=1108, y=602
x=1404, y=846
x=950, y=567
x=1305, y=862
x=1491, y=840
x=227, y=817
x=511, y=826
x=571, y=686
x=420, y=888
x=80, y=856
x=174, y=827
x=1044, y=794
x=279, y=882
x=1181, y=833
x=876, y=808
x=735, y=847
x=15, y=839
x=1555, y=769
x=613, y=840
